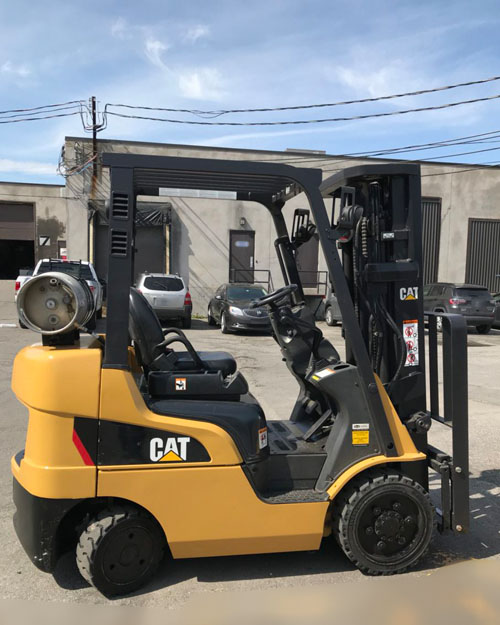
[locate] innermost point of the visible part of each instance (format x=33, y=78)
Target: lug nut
x=409, y=520
x=369, y=530
x=396, y=506
x=377, y=511
x=401, y=540
x=381, y=545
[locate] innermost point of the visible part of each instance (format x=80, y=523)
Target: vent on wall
x=119, y=243
x=120, y=205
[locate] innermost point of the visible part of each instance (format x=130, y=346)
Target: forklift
x=139, y=445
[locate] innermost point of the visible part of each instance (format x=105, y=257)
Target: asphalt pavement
x=180, y=583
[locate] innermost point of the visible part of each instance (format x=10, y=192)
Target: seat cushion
x=215, y=361
x=242, y=420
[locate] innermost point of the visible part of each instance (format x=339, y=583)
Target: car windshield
x=76, y=270
x=163, y=283
x=471, y=293
x=245, y=293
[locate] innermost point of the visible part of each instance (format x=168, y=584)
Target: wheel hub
x=389, y=524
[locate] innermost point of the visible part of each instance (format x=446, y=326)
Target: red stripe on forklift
x=81, y=449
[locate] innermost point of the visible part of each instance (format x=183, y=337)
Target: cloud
x=196, y=32
x=21, y=71
x=27, y=167
x=120, y=29
x=154, y=50
x=202, y=84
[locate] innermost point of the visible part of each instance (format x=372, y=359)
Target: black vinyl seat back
x=144, y=328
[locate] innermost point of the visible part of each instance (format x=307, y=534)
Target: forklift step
x=294, y=496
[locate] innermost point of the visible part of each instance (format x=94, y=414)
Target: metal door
x=241, y=255
x=431, y=234
x=483, y=253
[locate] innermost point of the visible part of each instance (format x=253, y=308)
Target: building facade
x=210, y=239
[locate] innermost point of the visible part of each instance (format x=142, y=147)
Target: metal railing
x=264, y=277
x=454, y=469
x=317, y=280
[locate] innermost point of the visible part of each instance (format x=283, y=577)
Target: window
x=162, y=283
x=427, y=289
x=76, y=270
x=245, y=293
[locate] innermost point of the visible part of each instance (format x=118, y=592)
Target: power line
x=35, y=119
x=308, y=121
x=309, y=106
x=45, y=106
x=41, y=113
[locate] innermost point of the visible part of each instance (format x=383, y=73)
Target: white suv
x=168, y=295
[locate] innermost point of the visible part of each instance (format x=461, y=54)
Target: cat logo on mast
x=408, y=293
x=174, y=449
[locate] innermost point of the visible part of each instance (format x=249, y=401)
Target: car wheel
x=119, y=550
x=186, y=322
x=223, y=324
x=330, y=321
x=210, y=317
x=483, y=329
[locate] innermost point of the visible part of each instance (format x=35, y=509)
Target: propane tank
x=55, y=303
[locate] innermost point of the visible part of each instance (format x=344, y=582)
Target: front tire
x=120, y=550
x=383, y=522
x=330, y=321
x=483, y=329
x=223, y=324
x=210, y=317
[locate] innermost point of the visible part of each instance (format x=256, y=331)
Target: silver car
x=168, y=295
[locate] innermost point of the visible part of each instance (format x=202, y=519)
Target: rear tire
x=186, y=322
x=383, y=521
x=330, y=321
x=210, y=317
x=483, y=329
x=119, y=551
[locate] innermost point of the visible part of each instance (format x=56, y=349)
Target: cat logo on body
x=408, y=293
x=174, y=449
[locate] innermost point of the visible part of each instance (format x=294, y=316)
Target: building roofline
x=34, y=184
x=281, y=153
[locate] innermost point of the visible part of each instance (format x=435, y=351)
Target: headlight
x=235, y=311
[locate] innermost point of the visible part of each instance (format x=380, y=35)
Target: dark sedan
x=229, y=308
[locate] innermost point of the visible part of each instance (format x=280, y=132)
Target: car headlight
x=235, y=311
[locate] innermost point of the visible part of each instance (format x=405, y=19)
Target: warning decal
x=361, y=434
x=180, y=384
x=262, y=438
x=410, y=334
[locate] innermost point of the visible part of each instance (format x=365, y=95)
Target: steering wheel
x=273, y=298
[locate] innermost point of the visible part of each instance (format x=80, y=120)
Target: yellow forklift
x=140, y=445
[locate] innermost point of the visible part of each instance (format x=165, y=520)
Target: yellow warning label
x=361, y=437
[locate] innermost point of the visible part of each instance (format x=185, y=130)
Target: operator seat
x=147, y=334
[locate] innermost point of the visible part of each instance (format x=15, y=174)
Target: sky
x=222, y=54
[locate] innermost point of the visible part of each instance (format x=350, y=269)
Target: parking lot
x=259, y=359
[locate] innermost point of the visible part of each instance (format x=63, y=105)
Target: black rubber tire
x=99, y=313
x=102, y=536
x=22, y=325
x=354, y=504
x=210, y=318
x=186, y=322
x=330, y=321
x=483, y=329
x=92, y=323
x=223, y=324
